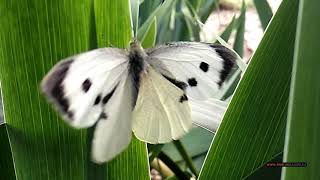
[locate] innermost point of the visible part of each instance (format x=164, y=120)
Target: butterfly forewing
x=202, y=67
x=78, y=86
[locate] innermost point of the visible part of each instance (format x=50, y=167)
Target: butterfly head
x=136, y=48
x=135, y=44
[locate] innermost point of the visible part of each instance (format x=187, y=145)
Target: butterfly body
x=137, y=64
x=144, y=91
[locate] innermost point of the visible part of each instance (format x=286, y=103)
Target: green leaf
x=34, y=36
x=206, y=7
x=6, y=162
x=197, y=140
x=239, y=39
x=266, y=172
x=113, y=23
x=302, y=136
x=1, y=107
x=252, y=131
x=160, y=12
x=149, y=39
x=134, y=4
x=147, y=8
x=264, y=12
x=228, y=30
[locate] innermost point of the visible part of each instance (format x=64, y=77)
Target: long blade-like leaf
x=264, y=12
x=6, y=162
x=149, y=39
x=252, y=130
x=302, y=138
x=159, y=12
x=239, y=41
x=34, y=35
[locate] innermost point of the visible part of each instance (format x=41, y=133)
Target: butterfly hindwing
x=113, y=132
x=201, y=67
x=207, y=114
x=81, y=85
x=162, y=112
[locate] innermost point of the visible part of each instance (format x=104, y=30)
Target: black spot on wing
x=53, y=87
x=108, y=96
x=183, y=98
x=229, y=59
x=97, y=100
x=204, y=66
x=86, y=85
x=192, y=82
x=180, y=84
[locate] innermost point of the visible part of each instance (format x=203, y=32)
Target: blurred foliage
x=264, y=12
x=177, y=20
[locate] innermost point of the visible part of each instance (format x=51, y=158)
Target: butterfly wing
x=161, y=113
x=198, y=68
x=113, y=132
x=207, y=114
x=81, y=85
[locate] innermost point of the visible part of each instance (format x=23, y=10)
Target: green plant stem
x=172, y=165
x=154, y=151
x=182, y=150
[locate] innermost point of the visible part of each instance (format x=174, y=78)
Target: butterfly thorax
x=137, y=64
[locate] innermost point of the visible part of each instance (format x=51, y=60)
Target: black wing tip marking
x=52, y=86
x=229, y=59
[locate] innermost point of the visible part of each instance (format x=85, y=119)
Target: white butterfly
x=144, y=91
